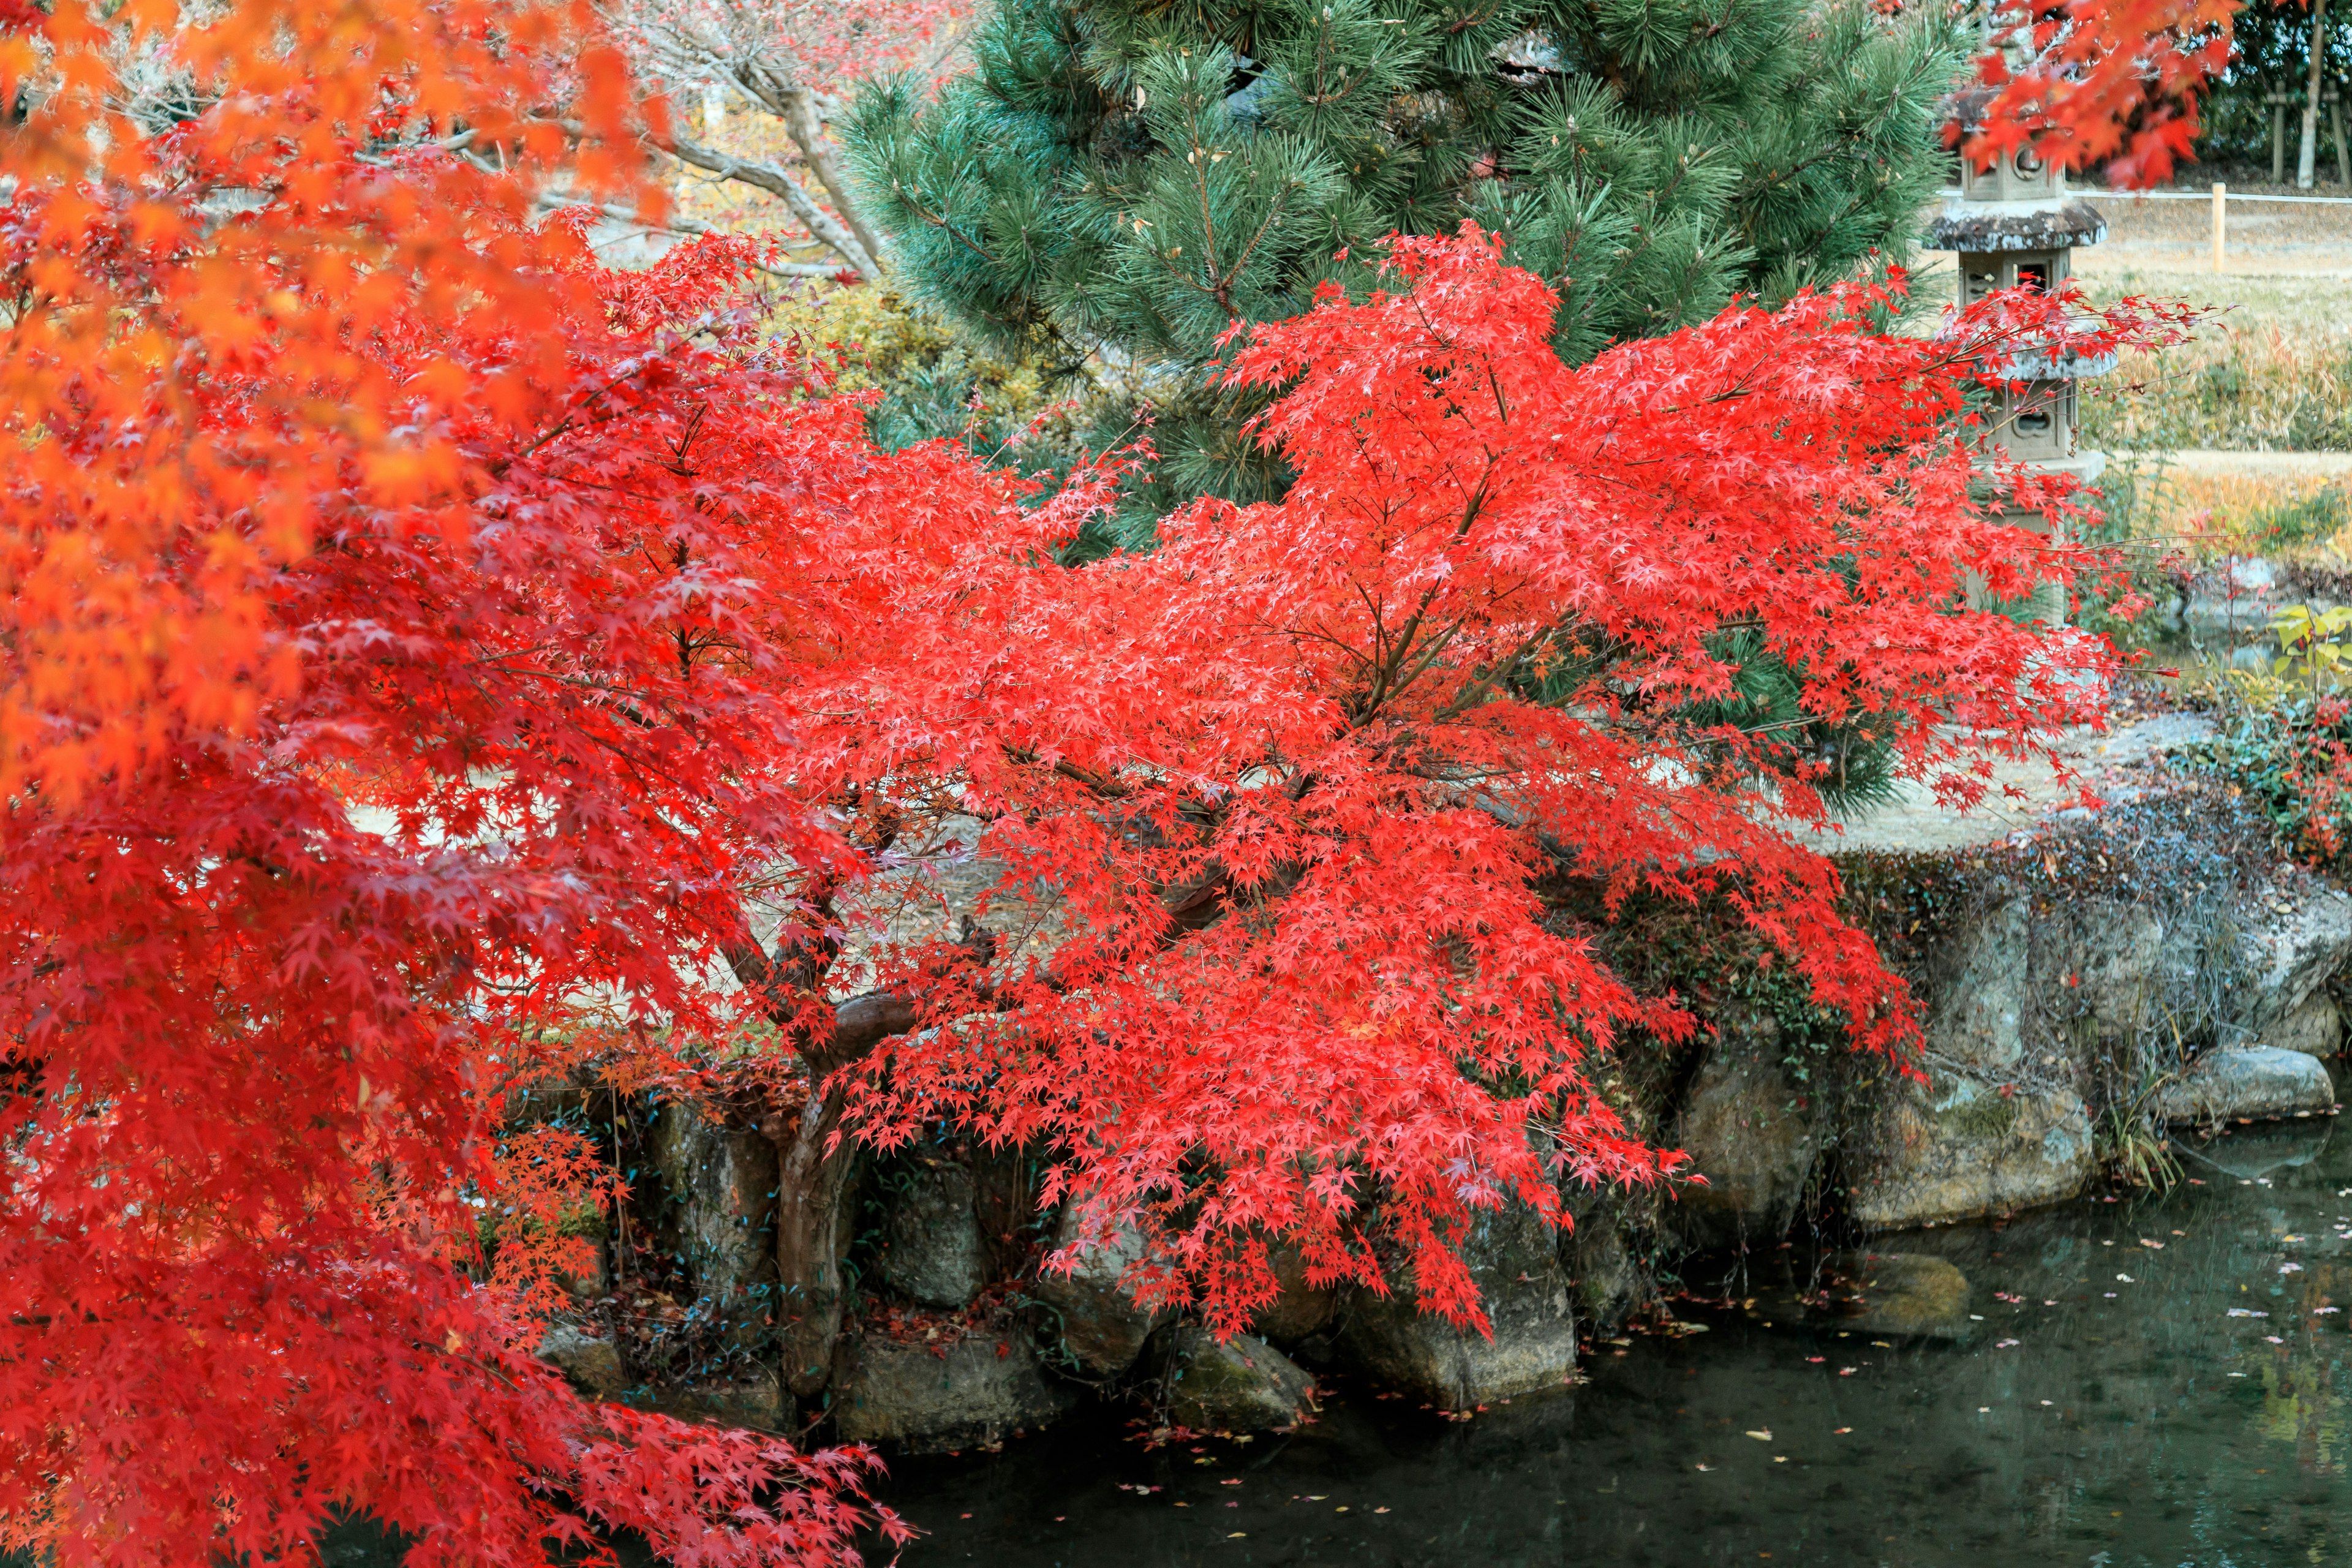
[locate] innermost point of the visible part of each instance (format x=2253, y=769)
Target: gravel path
x=1914, y=822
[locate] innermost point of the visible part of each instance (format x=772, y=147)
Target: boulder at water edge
x=1902, y=1294
x=1603, y=1280
x=1090, y=1311
x=933, y=1252
x=592, y=1364
x=2316, y=1028
x=1514, y=1258
x=1961, y=1147
x=1750, y=1134
x=1301, y=1312
x=2293, y=952
x=1242, y=1385
x=1896, y=1295
x=756, y=1400
x=2257, y=1081
x=925, y=1398
x=722, y=1184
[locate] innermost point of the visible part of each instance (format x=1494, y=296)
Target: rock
x=1960, y=1148
x=1095, y=1318
x=592, y=1364
x=1899, y=1294
x=2117, y=965
x=1301, y=1312
x=2251, y=574
x=1978, y=1015
x=2246, y=1080
x=1514, y=1260
x=934, y=1254
x=2316, y=1028
x=2247, y=1153
x=1602, y=1276
x=1884, y=1294
x=1750, y=1134
x=758, y=1401
x=722, y=1185
x=1242, y=1385
x=595, y=1282
x=2290, y=956
x=924, y=1399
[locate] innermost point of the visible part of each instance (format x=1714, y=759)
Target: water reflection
x=2154, y=1383
x=2157, y=1381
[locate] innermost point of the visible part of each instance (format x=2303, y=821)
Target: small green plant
x=2308, y=518
x=2134, y=1146
x=2290, y=756
x=2312, y=641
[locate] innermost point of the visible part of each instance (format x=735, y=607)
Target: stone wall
x=2077, y=988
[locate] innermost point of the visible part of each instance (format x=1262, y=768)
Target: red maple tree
x=425, y=649
x=2110, y=84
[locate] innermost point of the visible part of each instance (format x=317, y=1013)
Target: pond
x=2156, y=1381
x=2121, y=1403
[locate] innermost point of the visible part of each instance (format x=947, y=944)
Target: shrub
x=2293, y=758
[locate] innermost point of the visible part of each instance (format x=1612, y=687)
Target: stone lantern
x=2014, y=224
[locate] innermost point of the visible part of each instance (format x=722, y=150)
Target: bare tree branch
x=680, y=224
x=778, y=180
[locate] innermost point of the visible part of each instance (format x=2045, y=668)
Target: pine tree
x=1125, y=178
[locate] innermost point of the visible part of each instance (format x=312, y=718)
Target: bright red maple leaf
x=2110, y=84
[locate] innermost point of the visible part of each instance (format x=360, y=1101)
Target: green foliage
x=1130, y=178
x=2290, y=756
x=2307, y=518
x=2135, y=497
x=1844, y=761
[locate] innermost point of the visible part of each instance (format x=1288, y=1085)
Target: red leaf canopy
x=425, y=652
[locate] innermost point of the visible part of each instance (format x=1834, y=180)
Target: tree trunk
x=2307, y=160
x=814, y=1168
x=806, y=128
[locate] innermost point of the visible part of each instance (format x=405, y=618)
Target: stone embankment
x=2085, y=979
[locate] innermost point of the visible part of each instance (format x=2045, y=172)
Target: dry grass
x=2263, y=387
x=2208, y=515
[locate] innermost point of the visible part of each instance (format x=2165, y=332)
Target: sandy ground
x=2162, y=235
x=2106, y=763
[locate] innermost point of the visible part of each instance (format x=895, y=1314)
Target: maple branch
x=806, y=128
x=678, y=224
x=776, y=180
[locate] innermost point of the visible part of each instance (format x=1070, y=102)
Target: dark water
x=2133, y=1422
